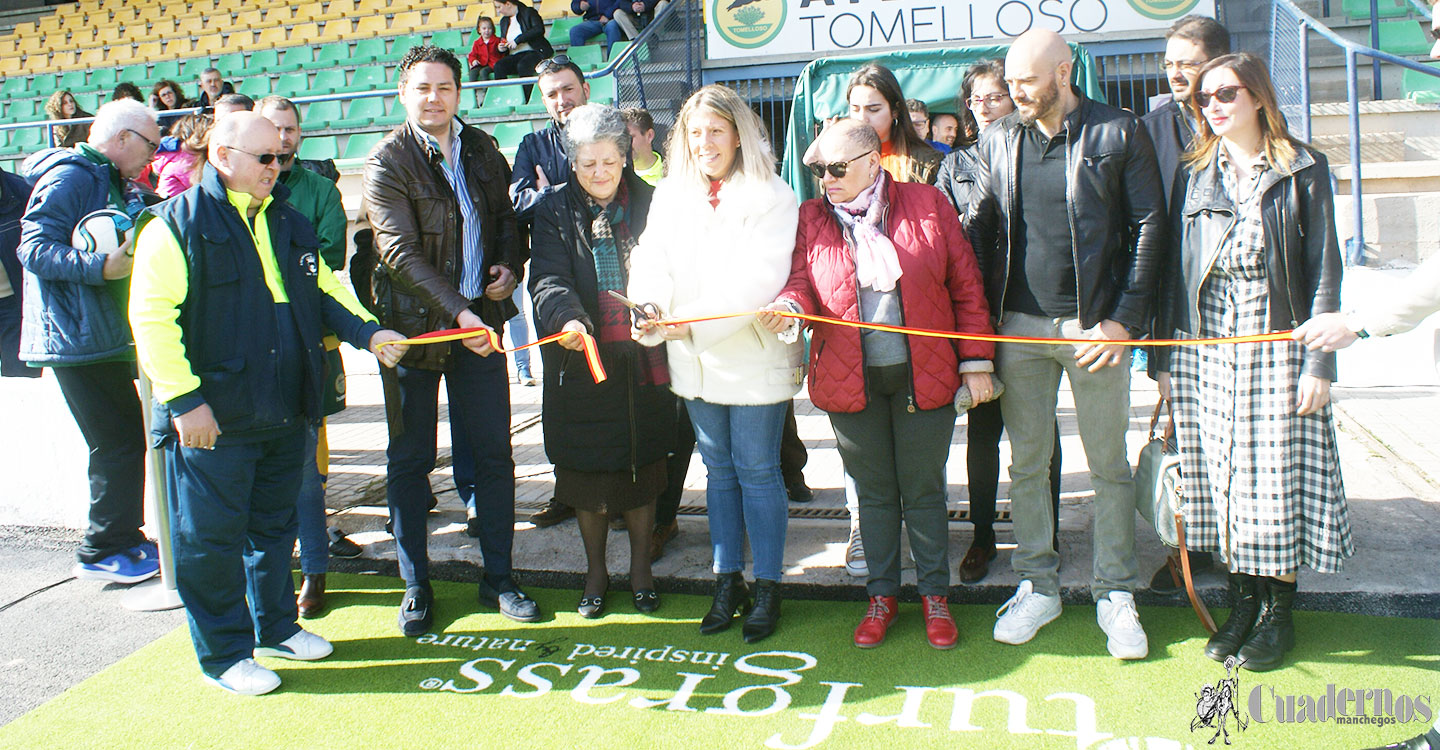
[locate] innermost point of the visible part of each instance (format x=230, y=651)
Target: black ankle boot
x=732, y=597
x=762, y=621
x=1245, y=596
x=1274, y=632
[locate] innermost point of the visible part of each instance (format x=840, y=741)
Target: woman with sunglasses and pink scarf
x=880, y=251
x=1255, y=251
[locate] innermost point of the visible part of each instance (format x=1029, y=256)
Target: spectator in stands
x=634, y=15
x=1090, y=278
x=62, y=106
x=318, y=200
x=720, y=237
x=127, y=90
x=1255, y=251
x=891, y=399
x=475, y=240
x=648, y=163
x=599, y=18
x=485, y=52
x=984, y=98
x=179, y=168
x=875, y=98
x=236, y=434
x=522, y=39
x=212, y=86
x=230, y=103
x=919, y=117
x=609, y=441
x=14, y=193
x=1189, y=44
x=944, y=129
x=164, y=97
x=75, y=323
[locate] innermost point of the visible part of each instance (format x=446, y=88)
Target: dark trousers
x=10, y=364
x=792, y=450
x=676, y=467
x=982, y=462
x=106, y=407
x=233, y=530
x=479, y=392
x=518, y=65
x=897, y=458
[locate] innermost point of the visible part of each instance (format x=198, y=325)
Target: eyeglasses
x=1225, y=94
x=265, y=159
x=152, y=144
x=552, y=64
x=990, y=100
x=1171, y=66
x=835, y=168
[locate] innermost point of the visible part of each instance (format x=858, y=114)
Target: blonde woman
x=719, y=239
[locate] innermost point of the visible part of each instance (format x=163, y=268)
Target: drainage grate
x=1002, y=514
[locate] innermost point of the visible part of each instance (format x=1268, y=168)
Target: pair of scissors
x=639, y=313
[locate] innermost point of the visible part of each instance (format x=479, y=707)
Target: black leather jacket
x=1113, y=203
x=1171, y=131
x=1302, y=254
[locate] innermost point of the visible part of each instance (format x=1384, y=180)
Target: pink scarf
x=876, y=264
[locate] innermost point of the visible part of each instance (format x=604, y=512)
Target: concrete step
x=1399, y=226
x=1374, y=147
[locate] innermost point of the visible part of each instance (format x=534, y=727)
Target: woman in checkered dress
x=1257, y=252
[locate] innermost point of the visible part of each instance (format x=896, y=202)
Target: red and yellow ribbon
x=597, y=370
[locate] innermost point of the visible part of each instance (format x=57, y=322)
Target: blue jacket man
x=599, y=17
x=14, y=193
x=74, y=322
x=229, y=303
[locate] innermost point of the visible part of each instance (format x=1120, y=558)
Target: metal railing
x=660, y=64
x=1290, y=30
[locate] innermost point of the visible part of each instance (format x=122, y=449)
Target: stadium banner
x=763, y=28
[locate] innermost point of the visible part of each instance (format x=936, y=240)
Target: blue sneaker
x=121, y=567
x=145, y=550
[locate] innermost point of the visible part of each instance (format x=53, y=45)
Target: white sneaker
x=855, y=554
x=303, y=646
x=1023, y=616
x=1119, y=619
x=245, y=677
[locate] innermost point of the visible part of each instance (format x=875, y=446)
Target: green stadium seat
x=334, y=53
x=257, y=87
x=232, y=64
x=14, y=85
x=136, y=74
x=370, y=78
x=295, y=58
x=103, y=79
x=191, y=69
x=263, y=61
x=369, y=50
x=22, y=110
x=559, y=33
x=1419, y=87
x=329, y=82
x=1404, y=38
x=26, y=140
x=589, y=57
x=400, y=44
x=92, y=101
x=359, y=145
x=164, y=69
x=293, y=84
x=371, y=112
x=501, y=101
x=322, y=115
x=536, y=105
x=319, y=147
x=602, y=90
x=73, y=81
x=453, y=40
x=1360, y=9
x=509, y=133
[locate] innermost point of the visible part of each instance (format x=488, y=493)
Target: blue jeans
x=745, y=494
x=480, y=406
x=314, y=543
x=586, y=29
x=519, y=330
x=233, y=529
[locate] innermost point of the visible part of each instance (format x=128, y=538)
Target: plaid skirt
x=1262, y=486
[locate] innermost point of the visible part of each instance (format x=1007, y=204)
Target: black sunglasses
x=551, y=64
x=265, y=159
x=835, y=168
x=1225, y=94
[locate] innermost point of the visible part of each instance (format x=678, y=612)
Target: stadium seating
x=1405, y=38
x=1421, y=88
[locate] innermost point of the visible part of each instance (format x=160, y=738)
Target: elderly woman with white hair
x=609, y=440
x=719, y=241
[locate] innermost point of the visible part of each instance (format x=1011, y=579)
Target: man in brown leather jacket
x=436, y=195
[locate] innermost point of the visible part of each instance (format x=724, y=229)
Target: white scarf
x=876, y=264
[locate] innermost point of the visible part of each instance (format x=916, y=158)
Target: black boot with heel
x=766, y=615
x=1245, y=596
x=732, y=597
x=1274, y=632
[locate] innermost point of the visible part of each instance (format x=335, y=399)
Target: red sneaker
x=871, y=630
x=939, y=626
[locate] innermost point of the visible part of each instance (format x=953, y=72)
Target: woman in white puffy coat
x=720, y=237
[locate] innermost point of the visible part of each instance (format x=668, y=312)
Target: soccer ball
x=104, y=231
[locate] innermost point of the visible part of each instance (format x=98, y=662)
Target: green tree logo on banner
x=748, y=24
x=1163, y=10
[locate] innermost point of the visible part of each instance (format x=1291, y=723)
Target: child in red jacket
x=486, y=50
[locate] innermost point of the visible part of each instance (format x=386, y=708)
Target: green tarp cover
x=932, y=76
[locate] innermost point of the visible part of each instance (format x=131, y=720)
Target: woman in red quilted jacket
x=882, y=251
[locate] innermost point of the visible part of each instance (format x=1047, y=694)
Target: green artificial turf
x=484, y=682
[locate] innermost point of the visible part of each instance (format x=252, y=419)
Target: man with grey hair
x=74, y=322
x=212, y=86
x=231, y=103
x=233, y=410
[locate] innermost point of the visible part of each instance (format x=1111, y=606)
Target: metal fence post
x=1355, y=249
